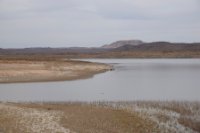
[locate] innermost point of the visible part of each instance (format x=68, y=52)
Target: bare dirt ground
x=36, y=71
x=101, y=117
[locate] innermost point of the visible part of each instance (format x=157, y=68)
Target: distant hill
x=160, y=46
x=47, y=50
x=122, y=43
x=119, y=49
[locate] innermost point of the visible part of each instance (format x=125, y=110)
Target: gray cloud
x=63, y=23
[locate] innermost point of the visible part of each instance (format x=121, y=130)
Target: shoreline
x=19, y=71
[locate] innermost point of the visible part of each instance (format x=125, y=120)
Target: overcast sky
x=66, y=23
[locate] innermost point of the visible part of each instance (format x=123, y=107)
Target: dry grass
x=14, y=119
x=89, y=119
x=37, y=71
x=171, y=116
x=81, y=118
x=190, y=123
x=102, y=117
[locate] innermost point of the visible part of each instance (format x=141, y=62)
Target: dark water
x=132, y=79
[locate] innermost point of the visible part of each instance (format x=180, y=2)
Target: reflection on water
x=132, y=79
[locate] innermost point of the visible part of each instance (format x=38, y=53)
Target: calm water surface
x=132, y=79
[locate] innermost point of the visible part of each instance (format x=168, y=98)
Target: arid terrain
x=37, y=71
x=118, y=49
x=95, y=117
x=101, y=117
x=99, y=66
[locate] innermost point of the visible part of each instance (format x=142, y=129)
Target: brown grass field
x=27, y=70
x=101, y=117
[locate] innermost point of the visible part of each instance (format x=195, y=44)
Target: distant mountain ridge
x=124, y=48
x=160, y=46
x=122, y=43
x=48, y=50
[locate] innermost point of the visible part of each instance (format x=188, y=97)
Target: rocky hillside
x=122, y=43
x=160, y=46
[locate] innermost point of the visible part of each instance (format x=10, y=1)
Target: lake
x=132, y=79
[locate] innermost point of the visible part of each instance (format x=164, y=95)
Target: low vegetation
x=100, y=117
x=170, y=116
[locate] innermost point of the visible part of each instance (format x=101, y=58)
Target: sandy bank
x=37, y=71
